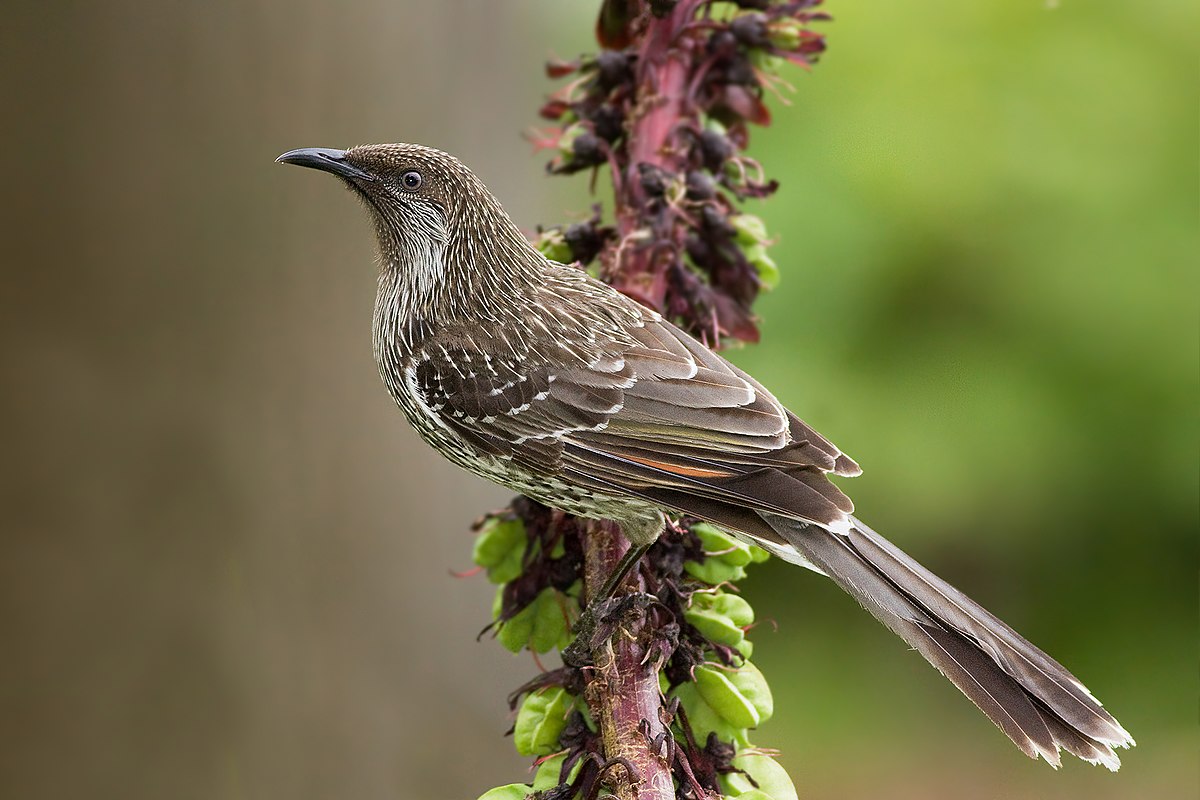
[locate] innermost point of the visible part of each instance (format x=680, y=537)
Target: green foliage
x=542, y=717
x=512, y=791
x=499, y=547
x=547, y=776
x=772, y=779
x=726, y=558
x=740, y=696
x=540, y=626
x=721, y=616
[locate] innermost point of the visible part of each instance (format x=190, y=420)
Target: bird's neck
x=431, y=284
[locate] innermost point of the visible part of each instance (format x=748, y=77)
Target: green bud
x=751, y=237
x=500, y=548
x=715, y=125
x=541, y=720
x=764, y=265
x=766, y=62
x=758, y=555
x=772, y=779
x=784, y=33
x=741, y=697
x=513, y=791
x=553, y=245
x=566, y=142
x=749, y=229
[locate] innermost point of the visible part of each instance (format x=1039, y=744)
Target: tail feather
x=1031, y=697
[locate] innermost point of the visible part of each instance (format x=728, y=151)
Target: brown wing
x=659, y=416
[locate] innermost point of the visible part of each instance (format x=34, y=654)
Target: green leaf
x=500, y=548
x=758, y=555
x=746, y=648
x=513, y=791
x=550, y=626
x=514, y=633
x=703, y=718
x=715, y=540
x=713, y=571
x=541, y=720
x=715, y=627
x=740, y=696
x=549, y=770
x=542, y=625
x=721, y=617
x=772, y=779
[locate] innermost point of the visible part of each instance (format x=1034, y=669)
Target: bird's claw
x=600, y=621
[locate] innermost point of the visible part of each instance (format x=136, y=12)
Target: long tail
x=1031, y=697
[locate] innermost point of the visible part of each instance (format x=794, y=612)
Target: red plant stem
x=662, y=75
x=622, y=689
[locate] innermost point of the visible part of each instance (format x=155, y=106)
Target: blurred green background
x=226, y=570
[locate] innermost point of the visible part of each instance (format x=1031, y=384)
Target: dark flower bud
x=653, y=179
x=750, y=29
x=741, y=72
x=587, y=149
x=585, y=240
x=612, y=69
x=697, y=249
x=608, y=123
x=723, y=43
x=700, y=185
x=715, y=149
x=714, y=221
x=660, y=8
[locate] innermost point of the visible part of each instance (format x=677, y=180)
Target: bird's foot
x=600, y=621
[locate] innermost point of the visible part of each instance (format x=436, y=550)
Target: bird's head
x=415, y=193
x=440, y=230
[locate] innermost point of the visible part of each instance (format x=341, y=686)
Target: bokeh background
x=226, y=568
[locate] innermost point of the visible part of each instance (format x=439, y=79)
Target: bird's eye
x=411, y=180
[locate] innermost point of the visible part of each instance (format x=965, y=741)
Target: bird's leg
x=628, y=561
x=578, y=653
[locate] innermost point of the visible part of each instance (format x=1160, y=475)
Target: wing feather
x=644, y=408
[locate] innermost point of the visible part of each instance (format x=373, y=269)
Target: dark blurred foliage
x=226, y=558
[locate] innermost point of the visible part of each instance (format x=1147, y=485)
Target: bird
x=538, y=377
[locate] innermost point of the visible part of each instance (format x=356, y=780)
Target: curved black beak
x=325, y=159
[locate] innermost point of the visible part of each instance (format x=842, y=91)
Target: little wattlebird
x=534, y=375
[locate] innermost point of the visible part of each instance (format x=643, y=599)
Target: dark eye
x=411, y=180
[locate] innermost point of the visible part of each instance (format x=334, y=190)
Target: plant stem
x=622, y=690
x=663, y=66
